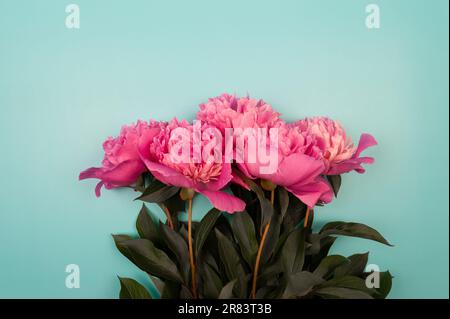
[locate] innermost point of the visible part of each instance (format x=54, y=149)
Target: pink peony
x=338, y=152
x=229, y=111
x=122, y=164
x=207, y=177
x=299, y=167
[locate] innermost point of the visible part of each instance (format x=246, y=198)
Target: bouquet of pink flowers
x=263, y=177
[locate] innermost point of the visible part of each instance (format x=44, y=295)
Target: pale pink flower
x=339, y=153
x=299, y=167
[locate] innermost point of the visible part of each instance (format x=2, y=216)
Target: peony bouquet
x=263, y=177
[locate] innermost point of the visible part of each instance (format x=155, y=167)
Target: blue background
x=62, y=92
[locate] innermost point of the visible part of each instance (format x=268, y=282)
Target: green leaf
x=158, y=192
x=271, y=242
x=123, y=250
x=178, y=247
x=244, y=232
x=175, y=205
x=341, y=293
x=296, y=211
x=300, y=284
x=159, y=284
x=227, y=290
x=203, y=229
x=329, y=264
x=351, y=282
x=151, y=259
x=385, y=284
x=353, y=230
x=293, y=252
x=283, y=197
x=145, y=225
x=171, y=290
x=266, y=207
x=211, y=282
x=355, y=267
x=335, y=181
x=229, y=256
x=139, y=186
x=325, y=245
x=131, y=289
x=185, y=293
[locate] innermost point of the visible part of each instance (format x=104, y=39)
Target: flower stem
x=308, y=211
x=260, y=248
x=191, y=251
x=169, y=218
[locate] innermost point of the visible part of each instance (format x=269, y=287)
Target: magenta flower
x=164, y=158
x=122, y=164
x=338, y=152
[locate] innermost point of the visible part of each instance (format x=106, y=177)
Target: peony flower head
x=187, y=156
x=338, y=151
x=229, y=111
x=298, y=167
x=122, y=165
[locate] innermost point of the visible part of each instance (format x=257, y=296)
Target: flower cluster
x=305, y=152
x=241, y=155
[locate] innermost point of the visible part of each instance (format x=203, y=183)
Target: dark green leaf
x=296, y=211
x=325, y=245
x=131, y=289
x=355, y=267
x=351, y=282
x=171, y=290
x=185, y=293
x=266, y=207
x=229, y=256
x=341, y=293
x=139, y=186
x=330, y=264
x=283, y=197
x=145, y=225
x=244, y=232
x=385, y=284
x=178, y=247
x=151, y=259
x=159, y=284
x=227, y=290
x=204, y=228
x=121, y=238
x=272, y=238
x=175, y=205
x=211, y=283
x=353, y=230
x=300, y=284
x=335, y=181
x=293, y=253
x=158, y=192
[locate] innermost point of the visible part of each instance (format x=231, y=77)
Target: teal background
x=62, y=92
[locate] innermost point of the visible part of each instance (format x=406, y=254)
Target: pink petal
x=223, y=201
x=168, y=175
x=124, y=174
x=92, y=172
x=237, y=180
x=297, y=169
x=224, y=178
x=311, y=193
x=365, y=141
